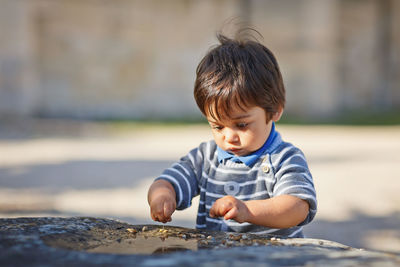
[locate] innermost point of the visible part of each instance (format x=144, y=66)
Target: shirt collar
x=250, y=159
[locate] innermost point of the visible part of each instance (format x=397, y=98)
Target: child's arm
x=162, y=201
x=282, y=211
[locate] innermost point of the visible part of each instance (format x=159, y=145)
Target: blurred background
x=96, y=100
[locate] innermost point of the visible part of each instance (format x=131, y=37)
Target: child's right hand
x=162, y=201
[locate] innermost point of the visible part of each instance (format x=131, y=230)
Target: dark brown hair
x=239, y=72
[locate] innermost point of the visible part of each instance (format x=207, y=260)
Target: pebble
x=246, y=242
x=235, y=237
x=145, y=228
x=132, y=231
x=230, y=243
x=203, y=242
x=183, y=236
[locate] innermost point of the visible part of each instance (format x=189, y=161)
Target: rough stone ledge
x=67, y=241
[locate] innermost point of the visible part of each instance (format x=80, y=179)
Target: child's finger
x=214, y=210
x=155, y=216
x=157, y=211
x=231, y=214
x=220, y=208
x=212, y=214
x=152, y=216
x=168, y=210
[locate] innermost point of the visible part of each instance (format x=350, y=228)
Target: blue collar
x=249, y=160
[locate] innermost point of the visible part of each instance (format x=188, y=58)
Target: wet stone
x=97, y=241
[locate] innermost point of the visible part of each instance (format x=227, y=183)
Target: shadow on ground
x=80, y=175
x=360, y=231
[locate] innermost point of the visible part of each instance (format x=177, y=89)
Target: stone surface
x=85, y=241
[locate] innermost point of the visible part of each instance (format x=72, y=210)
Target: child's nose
x=231, y=135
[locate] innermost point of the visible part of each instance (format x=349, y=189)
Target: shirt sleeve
x=184, y=176
x=294, y=178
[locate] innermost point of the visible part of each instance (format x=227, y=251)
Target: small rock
x=131, y=230
x=182, y=236
x=235, y=237
x=230, y=243
x=164, y=231
x=203, y=242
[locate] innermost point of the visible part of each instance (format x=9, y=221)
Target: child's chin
x=239, y=153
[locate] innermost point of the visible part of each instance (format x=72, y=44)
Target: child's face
x=243, y=132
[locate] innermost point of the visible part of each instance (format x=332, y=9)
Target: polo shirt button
x=231, y=188
x=265, y=169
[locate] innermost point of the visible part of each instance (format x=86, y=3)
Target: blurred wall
x=137, y=59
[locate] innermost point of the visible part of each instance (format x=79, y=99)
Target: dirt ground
x=64, y=168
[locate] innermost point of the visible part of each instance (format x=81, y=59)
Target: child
x=248, y=178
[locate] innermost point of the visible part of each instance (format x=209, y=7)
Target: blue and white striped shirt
x=281, y=170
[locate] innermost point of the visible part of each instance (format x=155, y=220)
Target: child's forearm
x=278, y=212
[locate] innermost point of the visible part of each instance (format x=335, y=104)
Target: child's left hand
x=231, y=209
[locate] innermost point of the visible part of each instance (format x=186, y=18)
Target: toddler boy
x=248, y=178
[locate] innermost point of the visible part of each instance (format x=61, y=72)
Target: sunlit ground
x=53, y=168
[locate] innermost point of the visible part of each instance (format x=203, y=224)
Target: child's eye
x=242, y=125
x=217, y=127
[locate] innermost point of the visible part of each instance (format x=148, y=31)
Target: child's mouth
x=236, y=151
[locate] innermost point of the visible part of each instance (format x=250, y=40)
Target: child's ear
x=277, y=115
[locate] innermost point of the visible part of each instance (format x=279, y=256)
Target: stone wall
x=137, y=59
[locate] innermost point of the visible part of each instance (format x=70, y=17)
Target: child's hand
x=162, y=208
x=230, y=208
x=161, y=198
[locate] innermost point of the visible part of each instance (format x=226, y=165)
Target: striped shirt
x=281, y=170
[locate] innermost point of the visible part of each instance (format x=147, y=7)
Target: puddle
x=147, y=239
x=146, y=245
x=130, y=240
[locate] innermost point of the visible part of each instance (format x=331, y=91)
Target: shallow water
x=146, y=245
